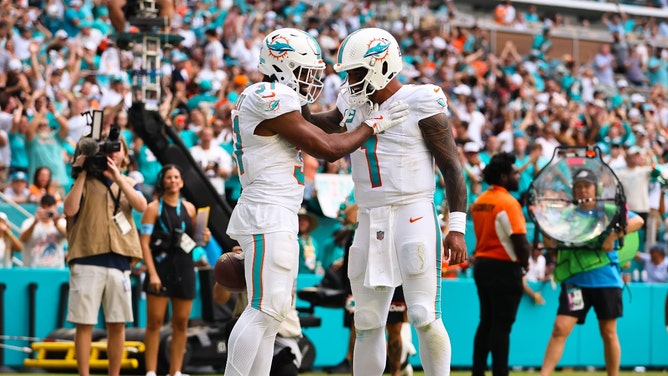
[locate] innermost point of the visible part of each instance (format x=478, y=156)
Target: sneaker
x=342, y=368
x=151, y=373
x=407, y=371
x=178, y=373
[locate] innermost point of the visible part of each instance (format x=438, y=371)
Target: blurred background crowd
x=515, y=77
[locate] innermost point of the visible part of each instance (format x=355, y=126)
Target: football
x=229, y=272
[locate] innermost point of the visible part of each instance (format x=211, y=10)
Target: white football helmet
x=378, y=52
x=293, y=57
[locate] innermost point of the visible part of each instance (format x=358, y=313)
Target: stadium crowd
x=59, y=59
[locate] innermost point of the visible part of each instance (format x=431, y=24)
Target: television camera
x=94, y=147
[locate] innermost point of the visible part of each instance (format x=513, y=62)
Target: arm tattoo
x=438, y=136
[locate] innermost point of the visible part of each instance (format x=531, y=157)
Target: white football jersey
x=270, y=168
x=395, y=167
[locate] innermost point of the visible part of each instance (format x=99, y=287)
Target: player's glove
x=380, y=121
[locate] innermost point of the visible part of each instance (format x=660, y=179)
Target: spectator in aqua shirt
x=204, y=95
x=45, y=144
x=189, y=138
x=148, y=165
x=102, y=21
x=657, y=69
x=74, y=14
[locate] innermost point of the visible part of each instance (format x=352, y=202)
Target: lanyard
x=117, y=199
x=169, y=227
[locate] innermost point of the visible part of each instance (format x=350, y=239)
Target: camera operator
x=103, y=242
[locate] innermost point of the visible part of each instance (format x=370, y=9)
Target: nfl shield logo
x=380, y=235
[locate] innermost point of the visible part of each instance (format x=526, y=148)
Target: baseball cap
x=659, y=247
x=462, y=90
x=634, y=113
x=90, y=45
x=62, y=34
x=19, y=175
x=635, y=149
x=540, y=107
x=241, y=80
x=637, y=98
x=622, y=83
x=585, y=174
x=600, y=103
x=178, y=56
x=471, y=147
x=15, y=65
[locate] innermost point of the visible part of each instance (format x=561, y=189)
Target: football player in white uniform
x=269, y=134
x=398, y=239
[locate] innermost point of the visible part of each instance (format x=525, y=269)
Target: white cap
x=622, y=83
x=634, y=113
x=635, y=149
x=90, y=45
x=74, y=3
x=639, y=129
x=3, y=217
x=543, y=98
x=62, y=34
x=462, y=90
x=637, y=98
x=600, y=103
x=540, y=107
x=471, y=147
x=15, y=65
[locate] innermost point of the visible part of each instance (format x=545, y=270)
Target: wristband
x=457, y=222
x=147, y=228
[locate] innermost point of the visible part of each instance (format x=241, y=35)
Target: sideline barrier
x=641, y=331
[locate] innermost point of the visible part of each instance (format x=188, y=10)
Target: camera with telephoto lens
x=95, y=148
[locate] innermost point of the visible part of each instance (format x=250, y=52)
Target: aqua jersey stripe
x=439, y=241
x=237, y=145
x=370, y=148
x=258, y=263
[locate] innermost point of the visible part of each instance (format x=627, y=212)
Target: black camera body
x=95, y=148
x=97, y=163
x=162, y=241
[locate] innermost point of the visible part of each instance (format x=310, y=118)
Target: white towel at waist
x=382, y=269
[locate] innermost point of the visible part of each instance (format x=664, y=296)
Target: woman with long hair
x=41, y=185
x=168, y=228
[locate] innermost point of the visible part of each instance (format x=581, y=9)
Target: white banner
x=332, y=189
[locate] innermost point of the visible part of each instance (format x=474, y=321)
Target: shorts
x=91, y=286
x=607, y=303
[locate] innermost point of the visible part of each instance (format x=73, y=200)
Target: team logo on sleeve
x=274, y=105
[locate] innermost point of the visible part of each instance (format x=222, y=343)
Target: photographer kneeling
x=103, y=243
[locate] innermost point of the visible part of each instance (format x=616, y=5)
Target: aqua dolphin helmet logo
x=279, y=46
x=377, y=48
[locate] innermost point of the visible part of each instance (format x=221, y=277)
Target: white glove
x=380, y=121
